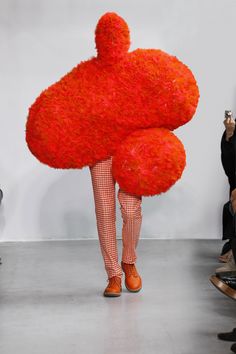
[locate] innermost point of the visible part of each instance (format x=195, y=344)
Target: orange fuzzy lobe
x=149, y=161
x=92, y=111
x=112, y=37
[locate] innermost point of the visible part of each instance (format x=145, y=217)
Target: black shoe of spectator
x=229, y=336
x=225, y=283
x=233, y=348
x=231, y=274
x=229, y=277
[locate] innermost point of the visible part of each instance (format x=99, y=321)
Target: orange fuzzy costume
x=121, y=104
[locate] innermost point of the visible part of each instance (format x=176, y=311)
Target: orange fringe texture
x=121, y=104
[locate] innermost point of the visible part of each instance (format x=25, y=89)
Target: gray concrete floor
x=51, y=300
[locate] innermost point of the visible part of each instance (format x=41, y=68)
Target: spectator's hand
x=229, y=124
x=233, y=200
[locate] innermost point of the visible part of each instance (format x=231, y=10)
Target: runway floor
x=52, y=302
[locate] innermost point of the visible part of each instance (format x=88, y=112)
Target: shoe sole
x=111, y=294
x=222, y=287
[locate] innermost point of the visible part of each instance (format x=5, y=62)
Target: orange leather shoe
x=133, y=281
x=114, y=287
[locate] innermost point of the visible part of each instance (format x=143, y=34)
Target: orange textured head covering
x=112, y=37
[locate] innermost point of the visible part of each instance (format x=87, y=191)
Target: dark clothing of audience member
x=228, y=157
x=226, y=282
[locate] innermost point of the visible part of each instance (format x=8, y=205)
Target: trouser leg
x=105, y=209
x=131, y=212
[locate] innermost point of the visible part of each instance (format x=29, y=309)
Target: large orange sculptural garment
x=121, y=104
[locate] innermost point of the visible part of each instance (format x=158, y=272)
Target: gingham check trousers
x=105, y=209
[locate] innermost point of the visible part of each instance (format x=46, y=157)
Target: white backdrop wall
x=42, y=40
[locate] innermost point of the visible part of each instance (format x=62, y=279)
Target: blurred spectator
x=228, y=148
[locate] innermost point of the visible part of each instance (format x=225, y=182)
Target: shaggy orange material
x=139, y=161
x=118, y=104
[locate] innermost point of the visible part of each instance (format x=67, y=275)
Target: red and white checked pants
x=105, y=209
